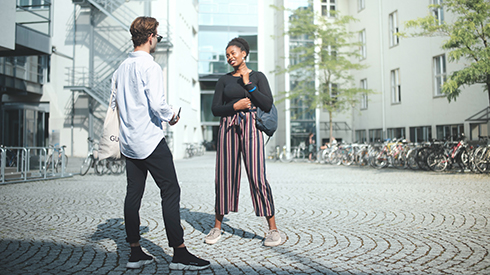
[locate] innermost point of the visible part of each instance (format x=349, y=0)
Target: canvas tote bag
x=109, y=141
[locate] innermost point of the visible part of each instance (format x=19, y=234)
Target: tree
x=467, y=39
x=321, y=51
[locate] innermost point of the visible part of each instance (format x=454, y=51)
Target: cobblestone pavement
x=335, y=220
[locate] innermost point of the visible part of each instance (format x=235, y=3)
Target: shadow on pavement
x=114, y=230
x=204, y=222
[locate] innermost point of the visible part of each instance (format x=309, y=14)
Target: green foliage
x=467, y=40
x=322, y=50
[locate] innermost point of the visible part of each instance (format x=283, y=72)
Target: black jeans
x=161, y=167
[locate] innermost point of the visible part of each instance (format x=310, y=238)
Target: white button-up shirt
x=142, y=107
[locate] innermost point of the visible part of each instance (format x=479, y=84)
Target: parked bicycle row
x=435, y=155
x=194, y=149
x=104, y=166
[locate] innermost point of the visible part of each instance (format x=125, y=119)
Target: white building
x=86, y=41
x=404, y=73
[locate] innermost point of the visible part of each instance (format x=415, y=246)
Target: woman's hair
x=240, y=43
x=141, y=28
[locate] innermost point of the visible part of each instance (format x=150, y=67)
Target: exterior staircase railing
x=97, y=83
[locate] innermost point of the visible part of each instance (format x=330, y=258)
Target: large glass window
x=439, y=73
x=212, y=51
x=228, y=13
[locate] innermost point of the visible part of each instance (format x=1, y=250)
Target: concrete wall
x=7, y=21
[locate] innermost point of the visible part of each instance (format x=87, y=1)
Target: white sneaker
x=213, y=236
x=273, y=238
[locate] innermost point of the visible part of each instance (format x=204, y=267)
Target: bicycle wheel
x=411, y=161
x=481, y=159
x=101, y=167
x=347, y=159
x=380, y=160
x=421, y=158
x=87, y=163
x=437, y=161
x=49, y=163
x=335, y=157
x=114, y=166
x=286, y=157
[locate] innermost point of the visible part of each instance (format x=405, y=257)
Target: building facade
x=405, y=75
x=65, y=78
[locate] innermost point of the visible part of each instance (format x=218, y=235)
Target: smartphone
x=177, y=116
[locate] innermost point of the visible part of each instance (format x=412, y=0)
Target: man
x=142, y=109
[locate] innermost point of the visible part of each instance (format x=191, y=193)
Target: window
x=361, y=4
x=361, y=136
x=34, y=4
x=477, y=130
x=393, y=21
x=452, y=132
x=328, y=8
x=364, y=97
x=397, y=133
x=395, y=87
x=437, y=12
x=375, y=135
x=419, y=134
x=362, y=47
x=439, y=74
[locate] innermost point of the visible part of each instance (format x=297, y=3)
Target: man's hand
x=174, y=120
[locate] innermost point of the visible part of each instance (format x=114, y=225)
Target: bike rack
x=23, y=156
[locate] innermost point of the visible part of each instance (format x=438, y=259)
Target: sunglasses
x=159, y=38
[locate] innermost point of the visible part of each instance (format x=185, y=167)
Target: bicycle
x=298, y=152
x=55, y=161
x=10, y=157
x=93, y=155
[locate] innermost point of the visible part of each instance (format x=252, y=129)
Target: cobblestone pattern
x=334, y=219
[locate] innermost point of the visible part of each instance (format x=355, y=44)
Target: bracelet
x=255, y=88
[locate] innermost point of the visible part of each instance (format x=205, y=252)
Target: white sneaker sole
x=138, y=264
x=276, y=243
x=213, y=241
x=179, y=266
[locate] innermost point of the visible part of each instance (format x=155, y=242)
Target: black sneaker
x=187, y=261
x=138, y=260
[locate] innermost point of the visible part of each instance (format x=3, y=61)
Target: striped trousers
x=238, y=137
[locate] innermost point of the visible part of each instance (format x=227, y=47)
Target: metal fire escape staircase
x=97, y=82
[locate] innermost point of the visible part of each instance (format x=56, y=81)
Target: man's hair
x=240, y=43
x=141, y=28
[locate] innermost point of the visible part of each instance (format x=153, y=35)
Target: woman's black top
x=231, y=89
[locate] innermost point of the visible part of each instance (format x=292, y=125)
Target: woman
x=236, y=95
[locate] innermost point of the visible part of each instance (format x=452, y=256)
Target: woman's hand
x=245, y=77
x=242, y=104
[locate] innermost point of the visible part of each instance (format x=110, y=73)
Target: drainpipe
x=381, y=34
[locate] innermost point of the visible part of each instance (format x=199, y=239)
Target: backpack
x=266, y=121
